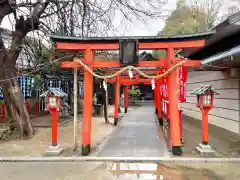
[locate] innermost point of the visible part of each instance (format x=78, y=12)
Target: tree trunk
x=16, y=109
x=14, y=102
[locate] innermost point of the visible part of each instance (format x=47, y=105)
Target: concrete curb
x=120, y=159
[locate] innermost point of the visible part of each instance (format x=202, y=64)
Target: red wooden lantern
x=205, y=100
x=53, y=104
x=205, y=96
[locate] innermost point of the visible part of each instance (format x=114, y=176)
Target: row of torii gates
x=128, y=48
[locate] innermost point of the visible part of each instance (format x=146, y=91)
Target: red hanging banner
x=182, y=83
x=164, y=86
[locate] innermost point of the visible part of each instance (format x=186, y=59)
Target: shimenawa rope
x=129, y=68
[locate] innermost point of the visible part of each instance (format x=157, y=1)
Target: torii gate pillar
x=155, y=100
x=158, y=103
x=117, y=97
x=126, y=98
x=87, y=106
x=173, y=103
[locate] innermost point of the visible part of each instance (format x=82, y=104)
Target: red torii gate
x=125, y=81
x=89, y=45
x=160, y=92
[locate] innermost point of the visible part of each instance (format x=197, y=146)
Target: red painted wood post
x=181, y=124
x=117, y=95
x=87, y=106
x=155, y=100
x=167, y=109
x=173, y=103
x=3, y=112
x=159, y=107
x=205, y=125
x=54, y=127
x=126, y=98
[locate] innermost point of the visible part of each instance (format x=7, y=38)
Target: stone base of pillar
x=205, y=150
x=54, y=151
x=177, y=150
x=86, y=150
x=115, y=121
x=160, y=120
x=182, y=141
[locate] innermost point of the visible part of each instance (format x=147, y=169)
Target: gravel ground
x=40, y=142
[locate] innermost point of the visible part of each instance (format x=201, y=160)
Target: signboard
x=81, y=88
x=26, y=85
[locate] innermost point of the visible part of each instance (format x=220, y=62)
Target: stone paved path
x=137, y=135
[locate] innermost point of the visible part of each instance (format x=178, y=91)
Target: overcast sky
x=139, y=28
x=136, y=28
x=151, y=28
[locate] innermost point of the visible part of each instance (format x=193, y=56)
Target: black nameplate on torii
x=128, y=52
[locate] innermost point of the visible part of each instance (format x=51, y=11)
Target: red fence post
x=37, y=109
x=27, y=107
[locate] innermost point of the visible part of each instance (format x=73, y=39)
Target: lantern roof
x=56, y=91
x=203, y=88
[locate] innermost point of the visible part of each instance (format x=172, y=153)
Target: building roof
x=146, y=56
x=221, y=41
x=56, y=91
x=142, y=39
x=232, y=19
x=225, y=38
x=203, y=88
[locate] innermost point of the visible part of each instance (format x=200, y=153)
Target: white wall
x=226, y=111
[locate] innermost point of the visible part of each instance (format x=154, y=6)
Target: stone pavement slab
x=137, y=135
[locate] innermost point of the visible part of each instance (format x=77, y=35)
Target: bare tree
x=229, y=8
x=211, y=8
x=37, y=18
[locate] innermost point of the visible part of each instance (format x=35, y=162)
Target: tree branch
x=38, y=9
x=6, y=8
